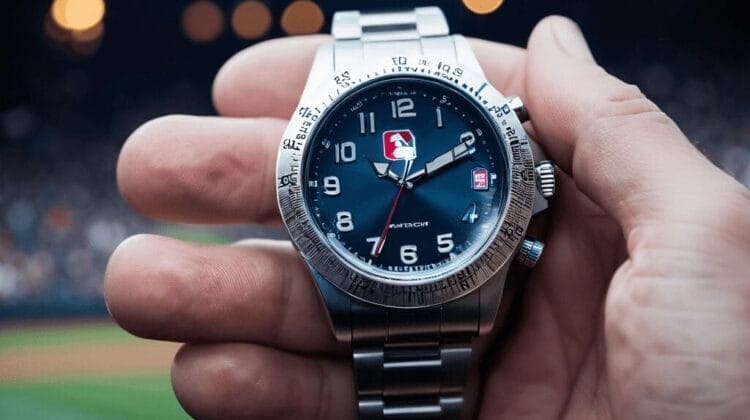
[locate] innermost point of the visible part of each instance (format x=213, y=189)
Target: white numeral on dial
x=363, y=123
x=409, y=254
x=403, y=108
x=445, y=243
x=344, y=221
x=468, y=138
x=374, y=240
x=331, y=185
x=345, y=152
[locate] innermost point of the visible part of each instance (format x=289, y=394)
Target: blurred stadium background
x=80, y=75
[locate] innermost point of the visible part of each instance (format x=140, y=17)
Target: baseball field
x=84, y=370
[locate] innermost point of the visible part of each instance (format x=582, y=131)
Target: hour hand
x=383, y=170
x=457, y=152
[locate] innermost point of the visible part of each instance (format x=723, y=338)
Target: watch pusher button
x=545, y=178
x=530, y=252
x=516, y=104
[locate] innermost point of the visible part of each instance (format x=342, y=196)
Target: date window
x=480, y=179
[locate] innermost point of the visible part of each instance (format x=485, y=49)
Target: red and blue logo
x=480, y=179
x=399, y=145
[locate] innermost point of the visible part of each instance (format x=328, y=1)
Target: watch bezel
x=379, y=290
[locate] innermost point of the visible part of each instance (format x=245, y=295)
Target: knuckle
x=627, y=109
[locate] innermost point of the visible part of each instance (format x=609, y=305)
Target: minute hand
x=457, y=152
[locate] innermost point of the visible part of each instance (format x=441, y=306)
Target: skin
x=638, y=309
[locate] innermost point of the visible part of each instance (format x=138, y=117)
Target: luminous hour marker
x=470, y=216
x=403, y=108
x=363, y=123
x=439, y=115
x=344, y=221
x=345, y=152
x=331, y=185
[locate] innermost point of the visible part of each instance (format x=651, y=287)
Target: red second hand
x=384, y=233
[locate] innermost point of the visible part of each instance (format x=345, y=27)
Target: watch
x=407, y=183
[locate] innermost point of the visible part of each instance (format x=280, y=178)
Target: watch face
x=406, y=178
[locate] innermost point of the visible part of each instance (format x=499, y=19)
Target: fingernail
x=570, y=39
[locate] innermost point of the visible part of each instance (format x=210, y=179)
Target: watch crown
x=530, y=252
x=545, y=178
x=515, y=103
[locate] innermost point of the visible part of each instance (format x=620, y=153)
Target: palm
x=554, y=357
x=597, y=323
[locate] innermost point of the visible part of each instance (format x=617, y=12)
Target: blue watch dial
x=405, y=176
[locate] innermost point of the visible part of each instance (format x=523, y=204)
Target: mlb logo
x=399, y=145
x=480, y=179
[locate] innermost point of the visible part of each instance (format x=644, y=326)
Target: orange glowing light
x=251, y=19
x=78, y=15
x=89, y=35
x=302, y=17
x=202, y=21
x=483, y=7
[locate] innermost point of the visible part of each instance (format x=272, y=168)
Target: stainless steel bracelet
x=413, y=364
x=409, y=364
x=363, y=38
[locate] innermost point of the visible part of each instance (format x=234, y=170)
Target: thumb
x=620, y=148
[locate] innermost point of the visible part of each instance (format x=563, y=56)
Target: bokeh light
x=78, y=15
x=79, y=42
x=89, y=35
x=302, y=17
x=202, y=21
x=251, y=19
x=483, y=7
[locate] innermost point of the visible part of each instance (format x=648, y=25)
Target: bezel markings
x=378, y=290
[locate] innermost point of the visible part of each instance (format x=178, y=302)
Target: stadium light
x=78, y=15
x=483, y=7
x=251, y=19
x=302, y=17
x=202, y=21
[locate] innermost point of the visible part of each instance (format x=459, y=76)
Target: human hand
x=638, y=309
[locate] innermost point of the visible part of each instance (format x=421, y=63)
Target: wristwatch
x=407, y=183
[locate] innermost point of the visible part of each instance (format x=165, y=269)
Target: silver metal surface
x=545, y=178
x=396, y=377
x=411, y=340
x=519, y=108
x=530, y=252
x=396, y=289
x=412, y=380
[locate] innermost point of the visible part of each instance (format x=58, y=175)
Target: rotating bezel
x=377, y=288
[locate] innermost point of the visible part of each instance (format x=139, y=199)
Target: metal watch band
x=409, y=364
x=362, y=37
x=413, y=364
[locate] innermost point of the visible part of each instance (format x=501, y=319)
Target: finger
x=621, y=150
x=227, y=381
x=267, y=79
x=202, y=169
x=260, y=292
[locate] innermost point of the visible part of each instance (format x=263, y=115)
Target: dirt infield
x=118, y=355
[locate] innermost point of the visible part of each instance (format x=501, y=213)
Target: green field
x=135, y=397
x=64, y=334
x=116, y=396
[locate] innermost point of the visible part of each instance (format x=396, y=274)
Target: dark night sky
x=145, y=54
